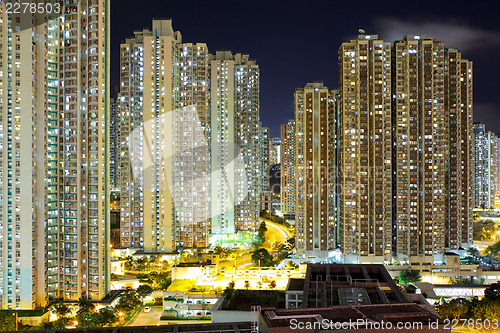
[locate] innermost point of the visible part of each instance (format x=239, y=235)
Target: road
x=276, y=233
x=147, y=318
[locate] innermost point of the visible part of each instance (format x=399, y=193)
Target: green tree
x=141, y=264
x=247, y=285
x=454, y=309
x=493, y=292
x=62, y=310
x=160, y=280
x=154, y=261
x=263, y=257
x=487, y=308
x=265, y=214
x=128, y=301
x=229, y=291
x=409, y=275
x=484, y=230
x=222, y=252
x=230, y=286
x=280, y=252
x=85, y=305
x=7, y=321
x=493, y=250
x=129, y=264
x=165, y=265
x=87, y=319
x=61, y=323
x=259, y=284
x=102, y=318
x=106, y=317
x=262, y=232
x=277, y=247
x=144, y=290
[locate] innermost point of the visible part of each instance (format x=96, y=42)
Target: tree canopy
x=483, y=230
x=7, y=321
x=454, y=309
x=409, y=275
x=493, y=291
x=262, y=257
x=494, y=249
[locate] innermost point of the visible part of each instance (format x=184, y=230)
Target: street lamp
x=15, y=314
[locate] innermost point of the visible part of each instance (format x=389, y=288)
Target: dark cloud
x=456, y=35
x=489, y=114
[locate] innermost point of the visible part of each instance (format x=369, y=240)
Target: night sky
x=295, y=42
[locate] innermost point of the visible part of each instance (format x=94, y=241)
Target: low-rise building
x=294, y=293
x=266, y=200
x=124, y=281
x=238, y=307
x=359, y=318
x=188, y=304
x=450, y=270
x=328, y=285
x=117, y=266
x=123, y=252
x=191, y=271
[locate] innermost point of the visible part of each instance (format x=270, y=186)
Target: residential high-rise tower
x=365, y=150
x=432, y=117
x=486, y=161
x=234, y=140
x=164, y=98
x=315, y=108
x=287, y=171
x=54, y=163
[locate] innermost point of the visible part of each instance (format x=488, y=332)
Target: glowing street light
x=15, y=314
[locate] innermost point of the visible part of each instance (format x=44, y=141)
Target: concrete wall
x=229, y=316
x=190, y=273
x=35, y=320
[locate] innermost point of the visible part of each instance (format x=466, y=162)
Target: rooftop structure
x=363, y=318
x=335, y=284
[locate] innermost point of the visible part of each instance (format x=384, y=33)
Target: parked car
x=147, y=309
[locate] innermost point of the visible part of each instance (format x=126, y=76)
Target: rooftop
x=295, y=284
x=243, y=300
x=111, y=296
x=328, y=285
x=394, y=313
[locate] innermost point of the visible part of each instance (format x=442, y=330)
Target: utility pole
x=15, y=314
